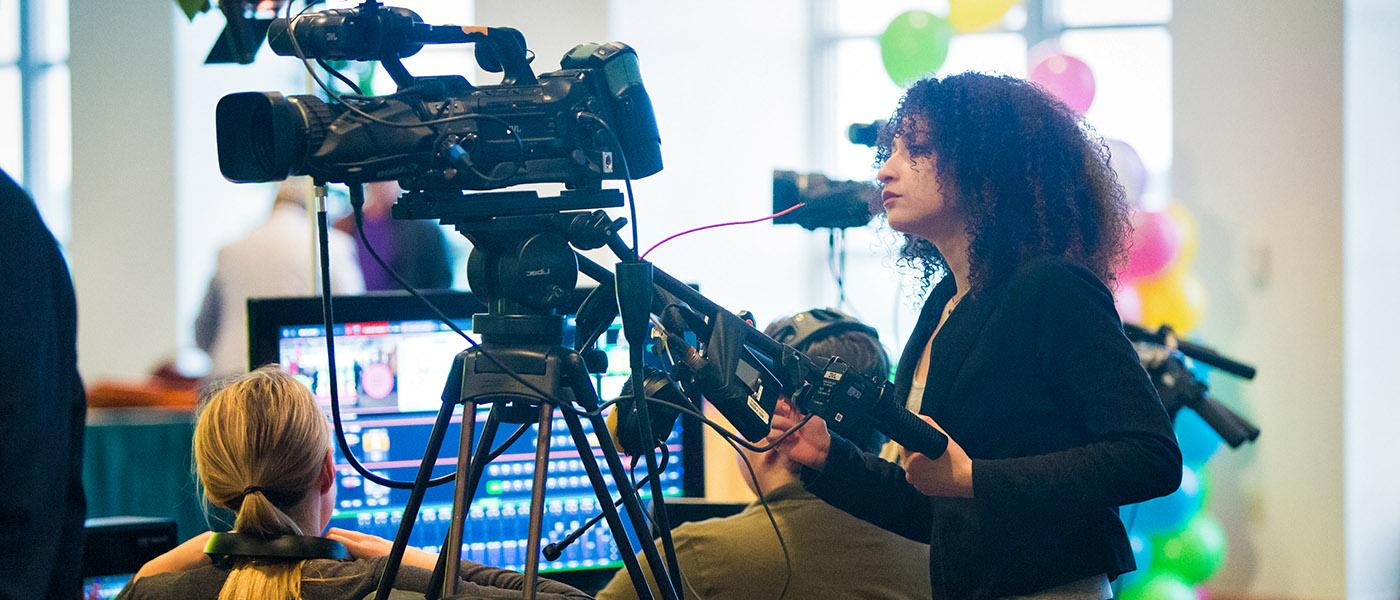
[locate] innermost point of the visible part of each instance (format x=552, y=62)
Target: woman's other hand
x=807, y=446
x=947, y=475
x=364, y=545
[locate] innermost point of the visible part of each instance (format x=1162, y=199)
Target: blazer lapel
x=923, y=328
x=955, y=343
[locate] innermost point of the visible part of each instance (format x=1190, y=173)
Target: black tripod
x=524, y=268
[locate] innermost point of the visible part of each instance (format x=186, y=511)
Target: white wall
x=150, y=209
x=210, y=210
x=1258, y=159
x=1372, y=291
x=123, y=250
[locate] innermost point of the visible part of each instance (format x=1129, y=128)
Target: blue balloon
x=1169, y=513
x=1198, y=440
x=1142, y=555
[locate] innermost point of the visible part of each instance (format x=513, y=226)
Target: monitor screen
x=115, y=548
x=391, y=369
x=105, y=587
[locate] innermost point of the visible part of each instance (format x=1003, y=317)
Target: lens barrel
x=262, y=136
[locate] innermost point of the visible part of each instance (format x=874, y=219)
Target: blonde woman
x=262, y=449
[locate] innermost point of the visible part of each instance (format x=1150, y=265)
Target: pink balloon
x=1156, y=242
x=1202, y=593
x=1132, y=175
x=1065, y=76
x=1129, y=303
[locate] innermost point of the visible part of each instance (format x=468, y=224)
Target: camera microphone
x=553, y=550
x=347, y=34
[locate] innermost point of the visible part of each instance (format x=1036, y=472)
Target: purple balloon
x=1131, y=174
x=1065, y=76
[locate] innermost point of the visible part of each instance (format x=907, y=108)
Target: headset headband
x=819, y=322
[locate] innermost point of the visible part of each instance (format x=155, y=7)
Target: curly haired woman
x=1008, y=206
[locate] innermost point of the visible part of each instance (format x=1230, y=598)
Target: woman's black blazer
x=1033, y=377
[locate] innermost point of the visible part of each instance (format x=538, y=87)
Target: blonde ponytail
x=259, y=445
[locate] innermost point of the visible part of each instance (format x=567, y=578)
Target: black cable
x=338, y=75
x=514, y=437
x=357, y=205
x=626, y=176
x=758, y=488
x=329, y=318
x=665, y=459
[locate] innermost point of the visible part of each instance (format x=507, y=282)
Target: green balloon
x=1195, y=553
x=1159, y=585
x=914, y=45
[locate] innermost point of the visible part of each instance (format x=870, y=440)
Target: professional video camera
x=441, y=132
x=830, y=203
x=1164, y=356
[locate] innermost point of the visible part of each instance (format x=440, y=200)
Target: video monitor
x=392, y=361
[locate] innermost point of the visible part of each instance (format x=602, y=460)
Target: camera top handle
x=371, y=32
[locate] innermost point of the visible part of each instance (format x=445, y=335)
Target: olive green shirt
x=834, y=555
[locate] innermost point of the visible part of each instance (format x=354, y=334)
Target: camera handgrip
x=1234, y=429
x=908, y=430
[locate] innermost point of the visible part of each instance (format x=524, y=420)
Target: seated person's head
x=262, y=450
x=821, y=334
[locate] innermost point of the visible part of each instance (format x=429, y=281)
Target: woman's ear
x=327, y=478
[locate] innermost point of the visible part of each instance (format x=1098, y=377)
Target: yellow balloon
x=1176, y=299
x=968, y=16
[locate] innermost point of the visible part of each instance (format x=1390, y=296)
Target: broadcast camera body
x=830, y=203
x=441, y=132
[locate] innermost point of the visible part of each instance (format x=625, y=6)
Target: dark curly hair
x=1027, y=174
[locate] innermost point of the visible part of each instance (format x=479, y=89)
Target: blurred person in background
x=415, y=249
x=274, y=260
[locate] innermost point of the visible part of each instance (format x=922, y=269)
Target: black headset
x=817, y=323
x=224, y=548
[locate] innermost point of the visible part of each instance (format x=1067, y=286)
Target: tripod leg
x=610, y=514
x=475, y=468
x=532, y=544
x=583, y=389
x=415, y=500
x=467, y=475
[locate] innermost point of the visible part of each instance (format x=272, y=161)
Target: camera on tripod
x=441, y=132
x=830, y=203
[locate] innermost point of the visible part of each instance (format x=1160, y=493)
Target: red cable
x=689, y=231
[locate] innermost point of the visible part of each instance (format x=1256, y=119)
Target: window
x=1126, y=45
x=35, y=134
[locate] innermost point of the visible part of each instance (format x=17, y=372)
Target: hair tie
x=254, y=488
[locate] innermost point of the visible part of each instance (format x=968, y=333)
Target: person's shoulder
x=323, y=578
x=1050, y=276
x=202, y=582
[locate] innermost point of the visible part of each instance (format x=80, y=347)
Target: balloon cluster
x=1156, y=286
x=915, y=43
x=1176, y=544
